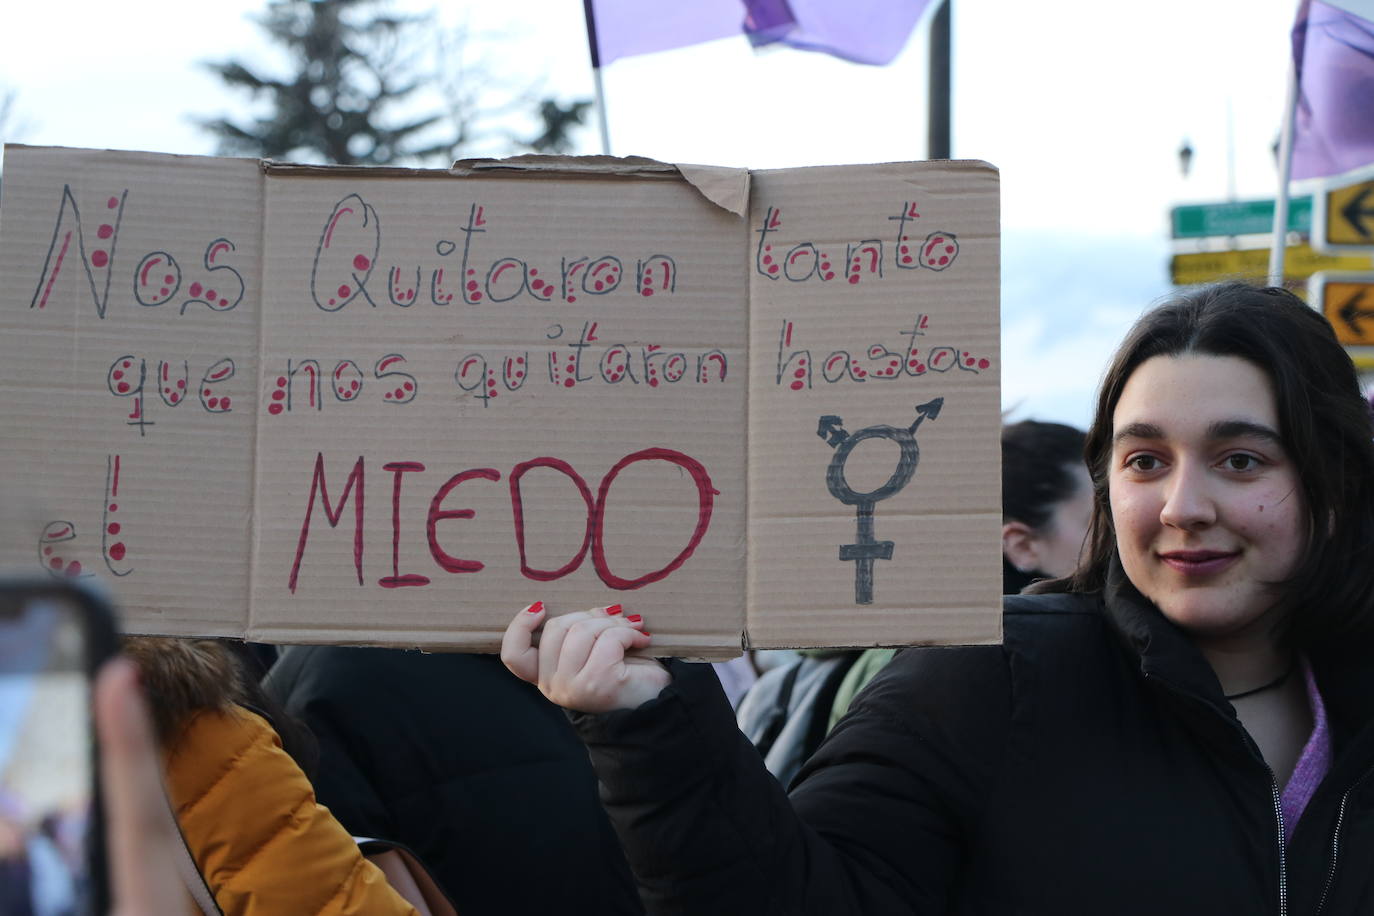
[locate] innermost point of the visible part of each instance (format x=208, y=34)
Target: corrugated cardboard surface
x=420, y=227
x=862, y=320
x=357, y=489
x=85, y=233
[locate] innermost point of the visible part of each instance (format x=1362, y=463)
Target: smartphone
x=53, y=636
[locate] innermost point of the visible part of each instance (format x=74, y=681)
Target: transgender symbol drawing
x=865, y=549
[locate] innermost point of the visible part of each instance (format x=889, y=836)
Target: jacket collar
x=1164, y=651
x=1345, y=677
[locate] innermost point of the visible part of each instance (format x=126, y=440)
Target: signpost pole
x=1280, y=242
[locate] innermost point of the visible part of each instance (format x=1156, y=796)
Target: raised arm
x=879, y=822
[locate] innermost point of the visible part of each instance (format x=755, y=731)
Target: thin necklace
x=1263, y=687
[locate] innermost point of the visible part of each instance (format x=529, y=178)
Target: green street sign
x=1238, y=217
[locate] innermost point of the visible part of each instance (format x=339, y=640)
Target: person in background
x=1185, y=725
x=1047, y=503
x=245, y=807
x=474, y=771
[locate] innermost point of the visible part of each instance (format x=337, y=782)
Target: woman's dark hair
x=1039, y=464
x=1327, y=431
x=1039, y=461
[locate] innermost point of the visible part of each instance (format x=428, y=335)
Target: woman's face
x=1207, y=506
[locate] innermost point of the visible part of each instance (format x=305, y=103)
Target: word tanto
x=346, y=268
x=355, y=490
x=806, y=260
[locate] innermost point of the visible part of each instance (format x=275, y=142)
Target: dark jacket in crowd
x=1088, y=765
x=469, y=766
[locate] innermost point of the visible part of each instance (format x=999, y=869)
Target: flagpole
x=938, y=144
x=590, y=15
x=1280, y=241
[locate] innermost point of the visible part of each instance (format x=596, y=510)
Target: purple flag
x=621, y=28
x=1333, y=56
x=862, y=31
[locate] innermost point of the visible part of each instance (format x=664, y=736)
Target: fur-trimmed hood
x=185, y=676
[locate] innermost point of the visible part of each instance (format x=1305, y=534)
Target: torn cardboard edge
x=727, y=188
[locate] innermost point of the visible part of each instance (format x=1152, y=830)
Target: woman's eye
x=1142, y=463
x=1241, y=462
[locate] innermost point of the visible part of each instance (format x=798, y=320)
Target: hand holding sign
x=580, y=662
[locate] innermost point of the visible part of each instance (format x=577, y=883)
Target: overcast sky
x=1082, y=105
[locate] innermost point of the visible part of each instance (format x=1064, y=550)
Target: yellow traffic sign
x=1347, y=301
x=1299, y=262
x=1343, y=217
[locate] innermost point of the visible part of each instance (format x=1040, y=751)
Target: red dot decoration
x=74, y=568
x=213, y=403
x=854, y=279
x=648, y=291
x=361, y=262
x=123, y=387
x=117, y=550
x=112, y=527
x=274, y=408
x=344, y=290
x=99, y=258
x=55, y=562
x=798, y=386
x=113, y=203
x=105, y=231
x=983, y=363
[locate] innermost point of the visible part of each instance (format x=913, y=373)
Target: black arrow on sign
x=1355, y=211
x=1352, y=314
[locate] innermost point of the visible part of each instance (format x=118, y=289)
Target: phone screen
x=46, y=760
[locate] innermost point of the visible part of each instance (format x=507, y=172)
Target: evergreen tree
x=355, y=64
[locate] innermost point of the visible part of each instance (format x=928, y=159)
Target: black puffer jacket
x=469, y=766
x=1088, y=765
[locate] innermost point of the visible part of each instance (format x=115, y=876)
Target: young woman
x=1184, y=726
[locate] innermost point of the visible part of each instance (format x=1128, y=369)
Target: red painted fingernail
x=614, y=609
x=536, y=607
x=634, y=618
x=645, y=633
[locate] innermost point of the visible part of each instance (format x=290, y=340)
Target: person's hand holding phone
x=140, y=841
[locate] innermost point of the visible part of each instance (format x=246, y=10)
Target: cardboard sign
x=391, y=407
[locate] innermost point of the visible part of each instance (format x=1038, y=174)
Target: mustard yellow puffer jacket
x=250, y=819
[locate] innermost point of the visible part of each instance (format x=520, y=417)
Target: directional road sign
x=1238, y=217
x=1347, y=301
x=1345, y=218
x=1300, y=261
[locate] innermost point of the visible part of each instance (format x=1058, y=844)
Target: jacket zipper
x=1273, y=788
x=1336, y=841
x=1283, y=855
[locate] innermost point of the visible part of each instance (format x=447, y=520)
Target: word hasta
x=798, y=370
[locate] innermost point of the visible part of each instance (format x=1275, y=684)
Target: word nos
x=157, y=279
x=805, y=261
x=351, y=240
x=592, y=539
x=797, y=369
x=59, y=561
x=127, y=377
